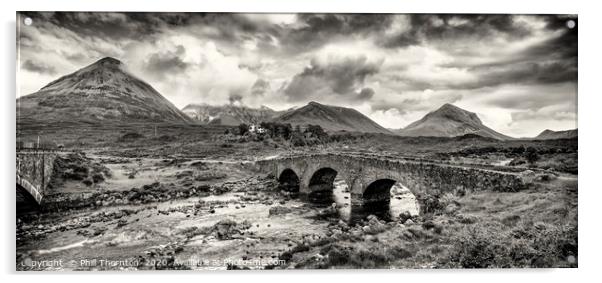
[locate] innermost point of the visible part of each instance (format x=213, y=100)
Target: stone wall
x=34, y=170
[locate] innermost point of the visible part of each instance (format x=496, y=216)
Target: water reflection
x=401, y=200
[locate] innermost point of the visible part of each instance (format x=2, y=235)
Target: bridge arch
x=30, y=188
x=378, y=191
x=289, y=180
x=320, y=183
x=25, y=201
x=323, y=169
x=415, y=185
x=380, y=198
x=322, y=179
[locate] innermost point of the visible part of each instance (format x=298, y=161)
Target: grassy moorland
x=203, y=140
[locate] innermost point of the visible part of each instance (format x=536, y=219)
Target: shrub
x=431, y=204
x=531, y=155
x=243, y=129
x=347, y=256
x=540, y=245
x=131, y=136
x=298, y=140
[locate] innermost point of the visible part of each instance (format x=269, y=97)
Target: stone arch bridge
x=34, y=170
x=370, y=178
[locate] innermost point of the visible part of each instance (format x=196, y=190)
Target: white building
x=253, y=128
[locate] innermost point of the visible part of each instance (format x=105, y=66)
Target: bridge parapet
x=34, y=170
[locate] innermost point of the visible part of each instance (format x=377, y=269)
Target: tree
x=297, y=139
x=316, y=131
x=531, y=155
x=284, y=131
x=243, y=129
x=518, y=150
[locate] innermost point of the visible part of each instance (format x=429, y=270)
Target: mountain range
x=331, y=118
x=229, y=115
x=101, y=92
x=106, y=91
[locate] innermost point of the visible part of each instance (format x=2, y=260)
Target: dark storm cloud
x=77, y=57
x=38, y=67
x=338, y=76
x=535, y=73
x=48, y=28
x=551, y=61
x=455, y=27
x=530, y=73
x=251, y=67
x=311, y=30
x=260, y=87
x=561, y=47
x=142, y=25
x=523, y=73
x=235, y=98
x=409, y=105
x=532, y=101
x=318, y=29
x=168, y=63
x=382, y=105
x=534, y=115
x=106, y=25
x=225, y=26
x=365, y=94
x=315, y=30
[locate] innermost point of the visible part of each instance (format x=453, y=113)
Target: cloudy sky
x=517, y=72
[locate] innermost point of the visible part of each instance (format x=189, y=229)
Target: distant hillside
x=331, y=118
x=552, y=135
x=230, y=115
x=101, y=92
x=450, y=121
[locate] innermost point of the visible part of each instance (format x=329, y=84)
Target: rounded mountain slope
x=450, y=121
x=331, y=118
x=551, y=135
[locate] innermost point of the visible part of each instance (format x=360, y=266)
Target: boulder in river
x=279, y=210
x=227, y=228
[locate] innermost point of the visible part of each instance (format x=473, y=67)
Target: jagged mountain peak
x=228, y=114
